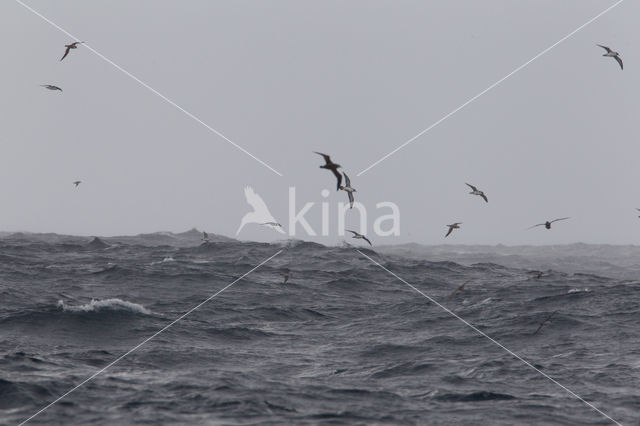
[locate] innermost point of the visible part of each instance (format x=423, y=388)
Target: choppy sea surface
x=343, y=342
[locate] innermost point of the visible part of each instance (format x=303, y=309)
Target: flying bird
x=348, y=189
x=51, y=87
x=615, y=55
x=548, y=223
x=73, y=45
x=452, y=227
x=260, y=213
x=359, y=236
x=476, y=191
x=544, y=322
x=330, y=165
x=272, y=224
x=205, y=237
x=460, y=288
x=77, y=182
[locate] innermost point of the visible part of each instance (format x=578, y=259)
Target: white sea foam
x=165, y=260
x=105, y=304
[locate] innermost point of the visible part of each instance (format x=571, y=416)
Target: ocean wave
x=165, y=260
x=105, y=305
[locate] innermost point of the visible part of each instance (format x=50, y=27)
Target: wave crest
x=105, y=305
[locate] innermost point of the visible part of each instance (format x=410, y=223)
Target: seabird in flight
x=348, y=188
x=77, y=182
x=544, y=322
x=476, y=191
x=548, y=223
x=460, y=288
x=272, y=224
x=51, y=87
x=615, y=55
x=205, y=237
x=330, y=165
x=359, y=236
x=452, y=227
x=73, y=45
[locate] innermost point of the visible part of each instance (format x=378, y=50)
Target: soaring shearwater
x=330, y=165
x=544, y=322
x=359, y=236
x=452, y=227
x=77, y=182
x=272, y=224
x=205, y=237
x=548, y=223
x=348, y=189
x=73, y=45
x=476, y=191
x=615, y=55
x=51, y=87
x=460, y=288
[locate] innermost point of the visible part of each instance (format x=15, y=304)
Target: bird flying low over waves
x=548, y=223
x=73, y=45
x=272, y=224
x=77, y=182
x=476, y=191
x=452, y=227
x=330, y=165
x=542, y=324
x=359, y=236
x=51, y=87
x=615, y=55
x=348, y=189
x=205, y=237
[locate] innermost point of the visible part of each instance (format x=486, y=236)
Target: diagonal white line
x=145, y=85
x=163, y=329
x=474, y=328
x=490, y=87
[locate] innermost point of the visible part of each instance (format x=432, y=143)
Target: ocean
x=342, y=342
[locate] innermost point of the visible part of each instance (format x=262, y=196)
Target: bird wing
x=350, y=199
x=540, y=224
x=367, y=240
x=473, y=188
x=617, y=58
x=545, y=321
x=338, y=176
x=66, y=52
x=605, y=48
x=562, y=218
x=327, y=159
x=353, y=232
x=346, y=179
x=485, y=197
x=450, y=231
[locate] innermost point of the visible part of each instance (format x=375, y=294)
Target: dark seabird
x=330, y=165
x=359, y=236
x=77, y=182
x=452, y=227
x=538, y=274
x=286, y=276
x=476, y=191
x=205, y=237
x=544, y=322
x=51, y=87
x=548, y=223
x=73, y=45
x=348, y=189
x=615, y=55
x=460, y=288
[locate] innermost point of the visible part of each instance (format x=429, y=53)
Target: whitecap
x=105, y=304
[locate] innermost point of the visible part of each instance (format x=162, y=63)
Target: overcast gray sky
x=352, y=79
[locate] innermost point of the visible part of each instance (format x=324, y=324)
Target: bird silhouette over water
x=330, y=165
x=615, y=55
x=51, y=87
x=357, y=235
x=542, y=324
x=548, y=223
x=73, y=45
x=205, y=237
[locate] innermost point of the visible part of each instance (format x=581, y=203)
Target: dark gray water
x=343, y=342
